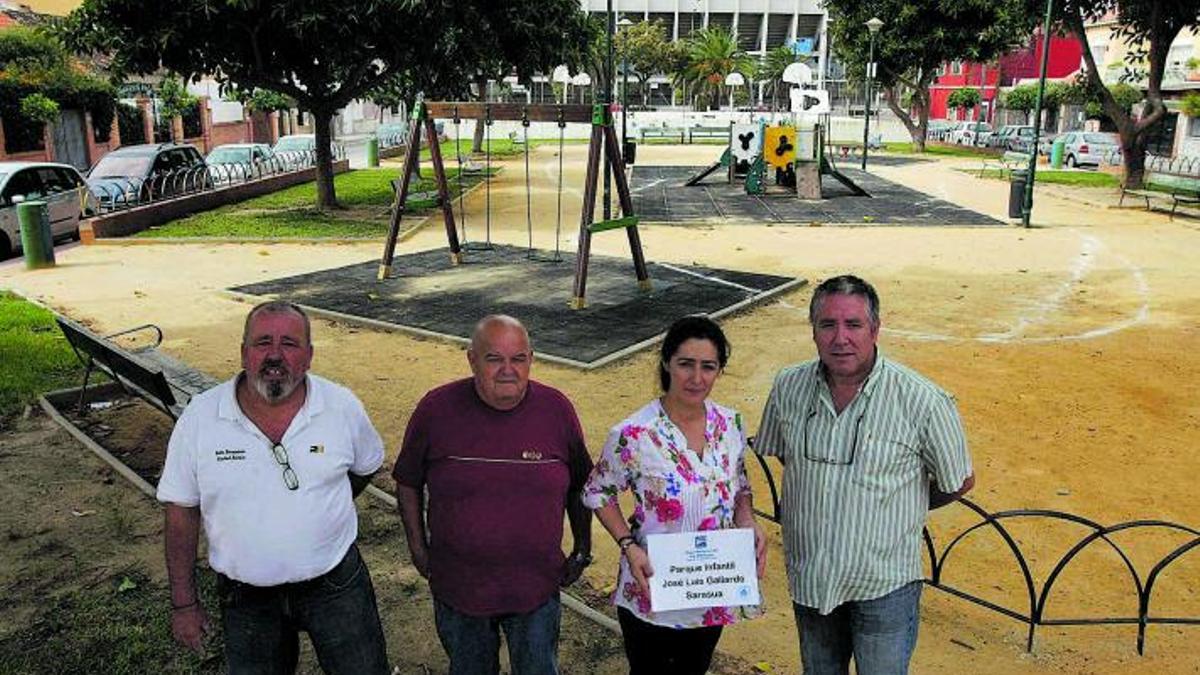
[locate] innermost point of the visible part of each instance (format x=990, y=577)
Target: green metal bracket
x=600, y=114
x=614, y=224
x=755, y=177
x=418, y=111
x=726, y=158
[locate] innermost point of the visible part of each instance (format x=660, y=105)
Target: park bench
x=160, y=380
x=707, y=132
x=1183, y=190
x=1010, y=161
x=660, y=132
x=850, y=147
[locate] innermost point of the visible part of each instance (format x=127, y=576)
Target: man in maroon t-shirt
x=501, y=458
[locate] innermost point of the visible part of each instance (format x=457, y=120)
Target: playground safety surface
x=659, y=195
x=428, y=295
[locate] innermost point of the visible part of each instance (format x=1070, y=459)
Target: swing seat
x=614, y=224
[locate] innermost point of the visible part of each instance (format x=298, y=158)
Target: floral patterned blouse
x=674, y=491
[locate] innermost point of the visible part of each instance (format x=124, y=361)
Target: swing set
x=603, y=136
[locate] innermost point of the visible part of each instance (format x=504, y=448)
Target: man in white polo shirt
x=868, y=446
x=270, y=462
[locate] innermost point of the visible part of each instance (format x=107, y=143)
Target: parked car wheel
x=6, y=248
x=1071, y=161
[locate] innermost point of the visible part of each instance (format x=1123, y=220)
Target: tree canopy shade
x=644, y=49
x=712, y=54
x=325, y=54
x=916, y=38
x=1148, y=27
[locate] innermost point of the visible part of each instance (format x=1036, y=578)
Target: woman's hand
x=639, y=567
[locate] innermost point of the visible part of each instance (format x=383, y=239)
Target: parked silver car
x=239, y=162
x=969, y=133
x=59, y=185
x=1088, y=148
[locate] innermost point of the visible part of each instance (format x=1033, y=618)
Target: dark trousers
x=473, y=642
x=337, y=610
x=655, y=650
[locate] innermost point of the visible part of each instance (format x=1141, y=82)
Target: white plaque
x=702, y=569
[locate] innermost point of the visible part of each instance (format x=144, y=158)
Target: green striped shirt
x=856, y=484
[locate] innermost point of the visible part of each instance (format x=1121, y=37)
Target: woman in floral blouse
x=682, y=458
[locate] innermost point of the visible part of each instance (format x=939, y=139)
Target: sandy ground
x=1072, y=348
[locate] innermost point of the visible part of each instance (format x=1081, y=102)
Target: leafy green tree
x=1150, y=27
x=39, y=108
x=1020, y=98
x=35, y=64
x=917, y=37
x=645, y=50
x=965, y=98
x=260, y=100
x=713, y=54
x=326, y=54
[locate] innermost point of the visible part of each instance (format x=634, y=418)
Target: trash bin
x=1016, y=193
x=373, y=151
x=1056, y=152
x=629, y=152
x=36, y=240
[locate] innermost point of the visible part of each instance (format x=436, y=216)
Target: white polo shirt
x=260, y=532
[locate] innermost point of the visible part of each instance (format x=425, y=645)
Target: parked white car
x=969, y=133
x=1088, y=148
x=59, y=185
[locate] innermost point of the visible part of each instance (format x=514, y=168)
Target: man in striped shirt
x=868, y=447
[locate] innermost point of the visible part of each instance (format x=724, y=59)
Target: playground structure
x=798, y=155
x=603, y=141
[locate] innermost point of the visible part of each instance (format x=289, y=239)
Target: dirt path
x=1073, y=349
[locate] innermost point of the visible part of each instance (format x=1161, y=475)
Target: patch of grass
x=1052, y=177
x=366, y=195
x=501, y=147
x=34, y=355
x=119, y=625
x=941, y=150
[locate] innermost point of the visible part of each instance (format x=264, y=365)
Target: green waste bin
x=373, y=151
x=1056, y=152
x=36, y=240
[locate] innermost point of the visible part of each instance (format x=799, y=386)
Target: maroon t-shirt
x=497, y=489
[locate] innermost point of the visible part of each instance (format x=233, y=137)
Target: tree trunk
x=919, y=128
x=1133, y=156
x=477, y=141
x=326, y=196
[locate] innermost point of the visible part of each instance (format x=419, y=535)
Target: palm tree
x=770, y=70
x=713, y=54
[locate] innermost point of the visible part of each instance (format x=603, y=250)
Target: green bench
x=660, y=132
x=1006, y=163
x=707, y=132
x=1182, y=189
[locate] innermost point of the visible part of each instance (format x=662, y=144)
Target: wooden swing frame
x=603, y=135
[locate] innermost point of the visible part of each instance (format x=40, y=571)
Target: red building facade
x=990, y=78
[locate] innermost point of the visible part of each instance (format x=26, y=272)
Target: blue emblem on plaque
x=701, y=541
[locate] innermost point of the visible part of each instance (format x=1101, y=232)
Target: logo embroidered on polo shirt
x=227, y=455
x=531, y=455
x=317, y=449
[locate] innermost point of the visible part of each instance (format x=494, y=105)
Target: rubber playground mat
x=427, y=295
x=659, y=195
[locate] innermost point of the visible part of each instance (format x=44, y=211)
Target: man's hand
x=573, y=568
x=420, y=560
x=190, y=626
x=639, y=567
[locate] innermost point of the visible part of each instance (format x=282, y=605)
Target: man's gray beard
x=274, y=390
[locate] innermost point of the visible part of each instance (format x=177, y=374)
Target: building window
x=1194, y=127
x=956, y=68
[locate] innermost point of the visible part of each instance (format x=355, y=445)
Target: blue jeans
x=337, y=610
x=473, y=642
x=879, y=633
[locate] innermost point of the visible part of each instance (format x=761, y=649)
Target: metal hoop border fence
x=1035, y=615
x=125, y=193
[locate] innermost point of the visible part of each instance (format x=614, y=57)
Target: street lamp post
x=1027, y=202
x=622, y=25
x=873, y=26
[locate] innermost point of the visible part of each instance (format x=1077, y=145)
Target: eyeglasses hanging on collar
x=289, y=476
x=831, y=453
